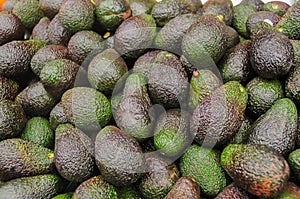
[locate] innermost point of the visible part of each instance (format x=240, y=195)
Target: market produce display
x=149, y=99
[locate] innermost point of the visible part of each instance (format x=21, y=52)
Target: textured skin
x=118, y=156
x=57, y=116
x=11, y=28
x=296, y=46
x=277, y=7
x=294, y=162
x=292, y=85
x=263, y=94
x=257, y=169
x=128, y=193
x=64, y=196
x=169, y=38
x=185, y=188
x=271, y=54
x=35, y=100
x=12, y=120
x=133, y=111
x=37, y=187
x=204, y=166
x=202, y=84
x=105, y=70
x=73, y=153
x=39, y=31
x=83, y=43
x=38, y=131
x=221, y=8
x=95, y=187
x=189, y=68
x=141, y=7
x=9, y=88
x=233, y=37
x=235, y=65
x=50, y=8
x=242, y=136
x=257, y=4
x=46, y=54
x=168, y=82
x=220, y=115
x=292, y=191
x=232, y=192
x=159, y=178
x=86, y=108
x=20, y=158
x=57, y=34
x=8, y=5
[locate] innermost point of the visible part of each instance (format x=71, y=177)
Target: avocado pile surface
x=133, y=99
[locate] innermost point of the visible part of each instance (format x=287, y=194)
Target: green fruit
x=257, y=4
x=220, y=8
x=128, y=193
x=292, y=191
x=9, y=88
x=292, y=85
x=57, y=34
x=277, y=7
x=141, y=7
x=294, y=162
x=40, y=30
x=296, y=46
x=241, y=14
x=64, y=196
x=57, y=116
x=50, y=8
x=242, y=136
x=186, y=187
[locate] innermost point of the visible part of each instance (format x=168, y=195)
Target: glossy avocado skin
x=232, y=191
x=9, y=88
x=185, y=188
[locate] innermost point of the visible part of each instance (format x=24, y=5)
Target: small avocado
x=73, y=153
x=110, y=14
x=95, y=187
x=39, y=187
x=271, y=54
x=219, y=116
x=13, y=119
x=135, y=35
x=294, y=162
x=20, y=158
x=277, y=7
x=141, y=7
x=292, y=191
x=11, y=28
x=220, y=8
x=185, y=188
x=241, y=12
x=9, y=88
x=129, y=192
x=292, y=84
x=38, y=131
x=242, y=135
x=86, y=108
x=108, y=158
x=296, y=46
x=257, y=169
x=29, y=12
x=263, y=94
x=46, y=54
x=232, y=191
x=165, y=10
x=202, y=84
x=50, y=8
x=64, y=196
x=257, y=4
x=56, y=33
x=57, y=116
x=77, y=15
x=204, y=166
x=40, y=30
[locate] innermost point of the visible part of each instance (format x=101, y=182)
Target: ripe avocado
x=39, y=187
x=120, y=166
x=232, y=191
x=57, y=116
x=292, y=84
x=204, y=166
x=57, y=34
x=141, y=7
x=277, y=7
x=9, y=88
x=220, y=8
x=38, y=131
x=185, y=188
x=20, y=158
x=257, y=169
x=241, y=12
x=50, y=8
x=40, y=30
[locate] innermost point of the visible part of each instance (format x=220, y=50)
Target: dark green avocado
x=292, y=85
x=40, y=30
x=9, y=88
x=296, y=45
x=56, y=33
x=141, y=7
x=220, y=8
x=185, y=188
x=57, y=116
x=294, y=162
x=232, y=191
x=64, y=196
x=50, y=8
x=277, y=7
x=241, y=12
x=129, y=192
x=242, y=135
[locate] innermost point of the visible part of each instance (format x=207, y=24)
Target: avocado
x=86, y=108
x=29, y=12
x=171, y=134
x=257, y=169
x=189, y=68
x=8, y=5
x=167, y=81
x=135, y=35
x=141, y=7
x=73, y=153
x=110, y=14
x=57, y=34
x=133, y=111
x=204, y=166
x=202, y=49
x=233, y=37
x=292, y=84
x=13, y=119
x=105, y=70
x=271, y=54
x=219, y=116
x=296, y=46
x=77, y=15
x=220, y=8
x=289, y=22
x=64, y=196
x=50, y=8
x=257, y=4
x=46, y=54
x=122, y=166
x=185, y=188
x=169, y=38
x=20, y=158
x=39, y=187
x=294, y=162
x=242, y=135
x=95, y=187
x=129, y=192
x=9, y=88
x=38, y=131
x=11, y=27
x=83, y=43
x=232, y=191
x=202, y=84
x=57, y=116
x=263, y=94
x=40, y=30
x=241, y=13
x=15, y=57
x=165, y=10
x=277, y=7
x=235, y=65
x=292, y=191
x=159, y=178
x=36, y=100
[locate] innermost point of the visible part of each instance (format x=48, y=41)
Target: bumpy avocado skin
x=292, y=85
x=232, y=191
x=241, y=13
x=277, y=7
x=9, y=88
x=185, y=188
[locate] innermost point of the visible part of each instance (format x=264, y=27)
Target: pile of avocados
x=146, y=99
